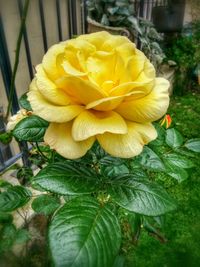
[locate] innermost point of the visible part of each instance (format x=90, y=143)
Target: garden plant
x=92, y=118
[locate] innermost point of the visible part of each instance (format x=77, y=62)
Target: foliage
x=121, y=13
x=181, y=245
x=185, y=51
x=105, y=198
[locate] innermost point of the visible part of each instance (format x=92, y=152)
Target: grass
x=182, y=227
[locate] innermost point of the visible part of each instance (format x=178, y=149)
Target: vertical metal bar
x=44, y=33
x=69, y=18
x=6, y=69
x=84, y=16
x=28, y=54
x=59, y=20
x=74, y=22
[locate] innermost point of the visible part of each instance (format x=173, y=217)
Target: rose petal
x=49, y=61
x=91, y=123
x=130, y=144
x=58, y=137
x=148, y=108
x=48, y=111
x=84, y=91
x=48, y=89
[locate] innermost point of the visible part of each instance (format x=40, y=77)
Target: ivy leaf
x=31, y=129
x=173, y=138
x=150, y=160
x=24, y=103
x=45, y=204
x=143, y=197
x=66, y=179
x=175, y=160
x=13, y=198
x=193, y=145
x=84, y=233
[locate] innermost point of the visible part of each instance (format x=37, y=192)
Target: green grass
x=182, y=227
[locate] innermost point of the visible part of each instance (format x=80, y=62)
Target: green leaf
x=173, y=138
x=7, y=237
x=5, y=218
x=116, y=170
x=177, y=173
x=84, y=233
x=66, y=179
x=45, y=204
x=193, y=145
x=150, y=160
x=6, y=138
x=176, y=160
x=24, y=103
x=22, y=235
x=13, y=198
x=31, y=128
x=143, y=197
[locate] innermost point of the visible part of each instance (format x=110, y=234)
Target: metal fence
x=48, y=22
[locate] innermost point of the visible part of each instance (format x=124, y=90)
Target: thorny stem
x=19, y=40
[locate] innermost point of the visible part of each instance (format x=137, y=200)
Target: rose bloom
x=98, y=87
x=21, y=114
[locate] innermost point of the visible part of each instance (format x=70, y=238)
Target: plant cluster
x=121, y=13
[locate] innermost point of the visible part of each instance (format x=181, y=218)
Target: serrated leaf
x=143, y=197
x=193, y=145
x=84, y=233
x=31, y=128
x=66, y=179
x=176, y=160
x=173, y=138
x=150, y=160
x=115, y=170
x=45, y=204
x=13, y=198
x=24, y=103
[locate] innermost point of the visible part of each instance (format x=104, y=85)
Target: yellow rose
x=98, y=87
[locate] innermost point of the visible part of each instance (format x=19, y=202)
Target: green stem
x=19, y=40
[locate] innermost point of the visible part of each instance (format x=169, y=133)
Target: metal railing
x=65, y=28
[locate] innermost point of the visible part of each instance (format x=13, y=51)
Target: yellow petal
x=114, y=42
x=49, y=61
x=130, y=144
x=97, y=38
x=70, y=70
x=105, y=104
x=101, y=66
x=91, y=123
x=126, y=50
x=135, y=66
x=50, y=112
x=143, y=86
x=110, y=103
x=58, y=137
x=49, y=90
x=84, y=91
x=148, y=108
